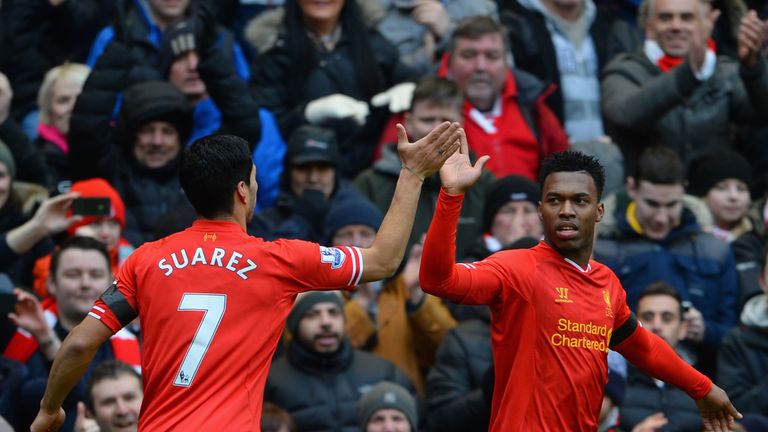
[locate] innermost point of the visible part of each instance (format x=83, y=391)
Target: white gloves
x=398, y=97
x=336, y=106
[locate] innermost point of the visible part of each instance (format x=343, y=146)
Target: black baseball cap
x=313, y=144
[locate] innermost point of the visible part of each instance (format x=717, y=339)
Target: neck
x=580, y=256
x=570, y=12
x=321, y=27
x=237, y=217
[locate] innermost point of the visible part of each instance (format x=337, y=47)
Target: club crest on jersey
x=608, y=308
x=332, y=256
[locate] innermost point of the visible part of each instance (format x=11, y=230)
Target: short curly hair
x=573, y=161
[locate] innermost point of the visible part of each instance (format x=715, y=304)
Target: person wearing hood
x=311, y=184
x=107, y=229
x=743, y=356
x=568, y=42
x=138, y=158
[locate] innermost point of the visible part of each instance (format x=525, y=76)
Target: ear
x=538, y=209
x=600, y=212
x=242, y=192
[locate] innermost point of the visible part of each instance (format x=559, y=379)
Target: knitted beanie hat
x=508, y=189
x=387, y=395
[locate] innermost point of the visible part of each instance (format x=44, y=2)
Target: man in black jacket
x=139, y=157
x=321, y=378
x=660, y=310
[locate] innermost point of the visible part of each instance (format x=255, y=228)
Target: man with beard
x=504, y=111
x=321, y=378
x=213, y=300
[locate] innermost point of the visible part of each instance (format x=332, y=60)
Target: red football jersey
x=212, y=302
x=551, y=327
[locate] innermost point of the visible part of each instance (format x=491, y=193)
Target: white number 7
x=214, y=306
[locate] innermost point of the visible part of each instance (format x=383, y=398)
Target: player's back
x=212, y=303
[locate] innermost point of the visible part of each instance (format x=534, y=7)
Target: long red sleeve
x=655, y=357
x=437, y=273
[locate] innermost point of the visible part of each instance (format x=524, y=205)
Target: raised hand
x=458, y=173
x=716, y=409
x=51, y=217
x=28, y=315
x=752, y=36
x=424, y=157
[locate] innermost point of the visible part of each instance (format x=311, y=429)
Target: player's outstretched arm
x=458, y=174
x=71, y=362
x=717, y=411
x=420, y=160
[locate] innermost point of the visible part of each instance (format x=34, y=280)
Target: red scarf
x=667, y=62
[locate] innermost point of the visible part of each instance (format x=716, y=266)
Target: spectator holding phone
x=25, y=237
x=103, y=220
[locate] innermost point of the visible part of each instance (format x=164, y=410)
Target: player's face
x=426, y=115
x=388, y=420
x=569, y=210
x=659, y=207
x=729, y=202
x=81, y=277
x=322, y=327
x=319, y=176
x=661, y=315
x=157, y=143
x=515, y=220
x=354, y=235
x=116, y=403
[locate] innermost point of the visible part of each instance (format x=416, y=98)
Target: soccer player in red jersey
x=555, y=312
x=212, y=300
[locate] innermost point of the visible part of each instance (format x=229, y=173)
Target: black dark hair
x=304, y=59
x=659, y=165
x=663, y=288
x=438, y=91
x=79, y=242
x=573, y=161
x=210, y=170
x=109, y=369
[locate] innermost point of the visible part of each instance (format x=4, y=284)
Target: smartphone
x=92, y=206
x=7, y=303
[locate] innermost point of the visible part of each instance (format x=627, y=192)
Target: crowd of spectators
x=99, y=97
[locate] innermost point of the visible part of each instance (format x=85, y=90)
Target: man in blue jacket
x=657, y=237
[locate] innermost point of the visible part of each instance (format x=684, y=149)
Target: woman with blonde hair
x=56, y=99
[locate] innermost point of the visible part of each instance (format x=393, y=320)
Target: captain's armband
x=118, y=304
